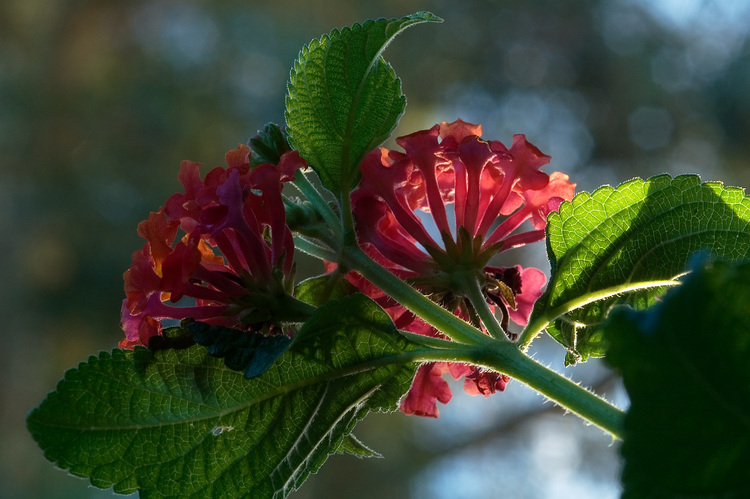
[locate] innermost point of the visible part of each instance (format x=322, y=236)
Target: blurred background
x=100, y=100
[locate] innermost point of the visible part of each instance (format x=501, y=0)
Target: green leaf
x=318, y=290
x=635, y=236
x=247, y=351
x=352, y=445
x=179, y=423
x=344, y=100
x=685, y=366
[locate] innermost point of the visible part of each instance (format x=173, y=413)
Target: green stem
x=506, y=358
x=315, y=249
x=447, y=323
x=428, y=341
x=347, y=220
x=537, y=326
x=480, y=349
x=471, y=287
x=321, y=205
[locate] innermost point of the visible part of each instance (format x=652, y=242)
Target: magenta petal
x=426, y=390
x=482, y=382
x=391, y=182
x=378, y=226
x=135, y=327
x=426, y=154
x=475, y=154
x=459, y=370
x=532, y=282
x=185, y=204
x=289, y=163
x=528, y=160
x=538, y=201
x=267, y=178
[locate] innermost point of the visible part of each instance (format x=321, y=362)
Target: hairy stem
x=506, y=358
x=314, y=248
x=480, y=349
x=318, y=201
x=473, y=290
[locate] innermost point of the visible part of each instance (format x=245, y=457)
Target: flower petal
x=532, y=282
x=547, y=199
x=482, y=382
x=426, y=390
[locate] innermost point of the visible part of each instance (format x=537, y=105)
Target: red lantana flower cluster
x=493, y=190
x=233, y=265
x=234, y=260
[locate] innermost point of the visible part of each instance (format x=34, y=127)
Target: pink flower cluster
x=236, y=249
x=493, y=190
x=233, y=264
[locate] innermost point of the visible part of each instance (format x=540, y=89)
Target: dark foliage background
x=100, y=100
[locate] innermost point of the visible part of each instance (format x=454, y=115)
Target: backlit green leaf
x=179, y=423
x=640, y=232
x=352, y=445
x=344, y=100
x=318, y=290
x=247, y=351
x=685, y=366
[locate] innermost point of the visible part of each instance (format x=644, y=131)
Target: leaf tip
x=427, y=16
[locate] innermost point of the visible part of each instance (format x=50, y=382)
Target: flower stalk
x=480, y=349
x=313, y=195
x=507, y=358
x=473, y=291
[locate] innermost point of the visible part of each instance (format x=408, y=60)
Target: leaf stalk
x=537, y=326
